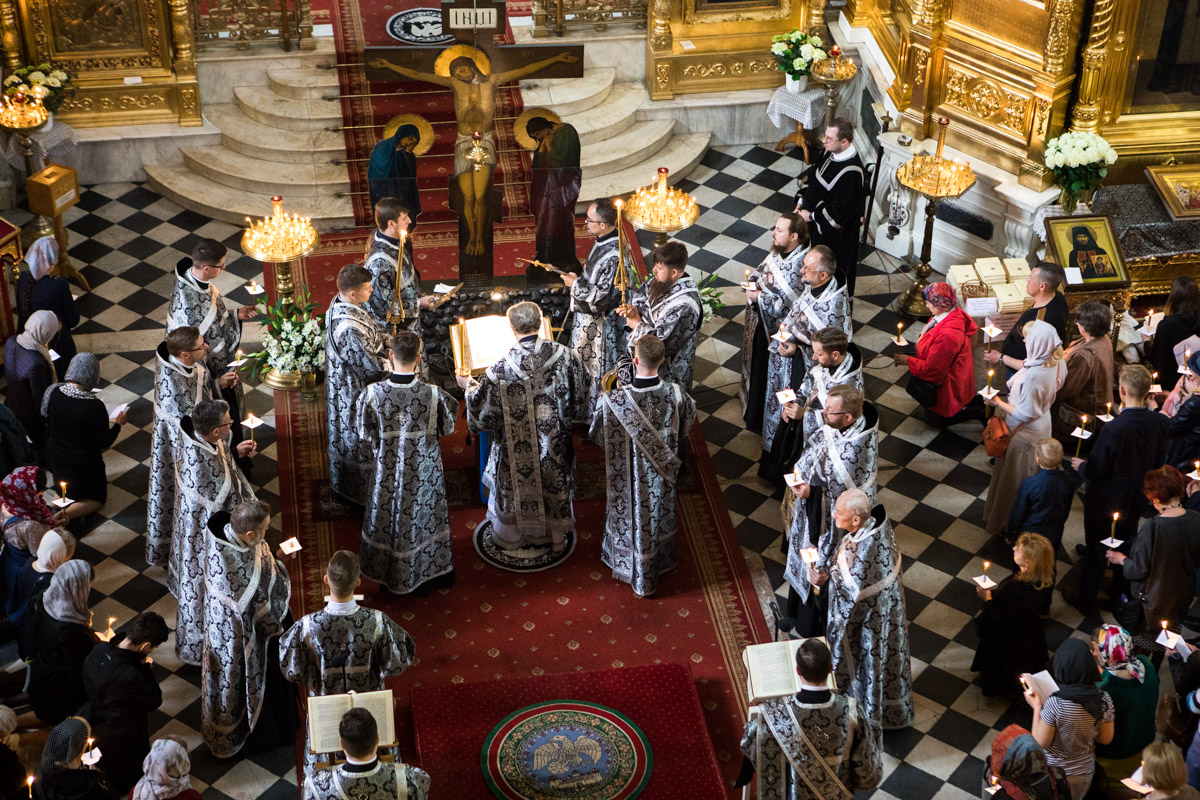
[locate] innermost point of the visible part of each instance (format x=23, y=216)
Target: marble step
x=301, y=178
x=304, y=84
x=617, y=113
x=263, y=105
x=570, y=95
x=244, y=135
x=631, y=146
x=204, y=196
x=679, y=156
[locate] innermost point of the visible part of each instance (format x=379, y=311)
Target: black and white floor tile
x=932, y=481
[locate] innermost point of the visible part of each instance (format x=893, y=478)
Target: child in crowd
x=1044, y=498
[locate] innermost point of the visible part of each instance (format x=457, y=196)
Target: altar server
x=531, y=395
x=246, y=593
x=355, y=356
x=597, y=332
x=364, y=776
x=778, y=286
x=821, y=735
x=406, y=528
x=867, y=632
x=668, y=306
x=383, y=251
x=181, y=381
x=343, y=647
x=195, y=300
x=642, y=428
x=207, y=481
x=831, y=198
x=842, y=454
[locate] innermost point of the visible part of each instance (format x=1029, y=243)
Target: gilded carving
x=187, y=102
x=984, y=98
x=704, y=70
x=759, y=67
x=1040, y=116
x=920, y=62
x=48, y=43
x=956, y=88
x=92, y=26
x=697, y=12
x=183, y=36
x=933, y=12
x=242, y=21
x=1059, y=38
x=663, y=75
x=661, y=32
x=103, y=103
x=1014, y=112
x=10, y=37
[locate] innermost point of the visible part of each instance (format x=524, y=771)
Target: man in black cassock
x=831, y=195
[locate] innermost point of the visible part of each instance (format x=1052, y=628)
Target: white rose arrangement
x=796, y=52
x=1079, y=162
x=50, y=85
x=293, y=339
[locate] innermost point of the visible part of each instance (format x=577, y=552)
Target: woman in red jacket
x=944, y=365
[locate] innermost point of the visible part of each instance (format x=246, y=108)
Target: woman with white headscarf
x=38, y=290
x=55, y=549
x=1031, y=393
x=29, y=371
x=62, y=639
x=167, y=777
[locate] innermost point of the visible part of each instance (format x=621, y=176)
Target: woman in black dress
x=62, y=640
x=1181, y=319
x=77, y=434
x=38, y=290
x=61, y=775
x=1011, y=639
x=29, y=372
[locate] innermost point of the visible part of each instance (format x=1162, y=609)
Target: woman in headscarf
x=54, y=550
x=167, y=769
x=944, y=359
x=1183, y=407
x=38, y=290
x=78, y=431
x=12, y=771
x=1018, y=766
x=21, y=493
x=392, y=171
x=1074, y=719
x=61, y=774
x=62, y=639
x=21, y=540
x=26, y=518
x=1132, y=683
x=29, y=371
x=1031, y=392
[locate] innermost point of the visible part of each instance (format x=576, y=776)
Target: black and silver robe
x=597, y=332
x=642, y=430
x=833, y=193
x=406, y=527
x=355, y=356
x=819, y=380
x=779, y=286
x=381, y=261
x=379, y=781
x=675, y=318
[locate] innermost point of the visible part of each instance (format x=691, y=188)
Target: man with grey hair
x=867, y=635
x=207, y=481
x=527, y=401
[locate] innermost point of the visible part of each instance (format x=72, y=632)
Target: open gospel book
x=772, y=669
x=325, y=714
x=480, y=342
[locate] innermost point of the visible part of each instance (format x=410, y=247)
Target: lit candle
x=90, y=741
x=1164, y=624
x=63, y=486
x=29, y=782
x=1113, y=533
x=991, y=372
x=899, y=329
x=1082, y=429
x=111, y=620
x=1197, y=463
x=1108, y=409
x=986, y=564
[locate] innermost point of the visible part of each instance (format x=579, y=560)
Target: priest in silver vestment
x=867, y=632
x=835, y=362
x=364, y=776
x=777, y=285
x=246, y=590
x=181, y=381
x=814, y=745
x=842, y=454
x=386, y=246
x=207, y=480
x=406, y=527
x=642, y=428
x=527, y=401
x=344, y=646
x=355, y=356
x=597, y=332
x=668, y=305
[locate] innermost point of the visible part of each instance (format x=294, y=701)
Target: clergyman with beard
x=668, y=305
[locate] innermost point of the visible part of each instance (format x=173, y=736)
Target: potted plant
x=795, y=53
x=293, y=343
x=50, y=85
x=1079, y=162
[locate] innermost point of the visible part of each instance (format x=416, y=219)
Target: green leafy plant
x=293, y=339
x=43, y=81
x=1079, y=162
x=710, y=296
x=796, y=52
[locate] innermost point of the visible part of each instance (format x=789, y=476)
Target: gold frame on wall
x=1161, y=179
x=701, y=12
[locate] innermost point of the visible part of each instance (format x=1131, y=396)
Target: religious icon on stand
x=1178, y=186
x=1088, y=250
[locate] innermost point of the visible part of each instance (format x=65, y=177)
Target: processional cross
x=473, y=70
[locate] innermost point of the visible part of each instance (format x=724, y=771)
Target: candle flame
x=1116, y=516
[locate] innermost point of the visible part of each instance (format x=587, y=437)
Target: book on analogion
x=325, y=714
x=772, y=670
x=479, y=342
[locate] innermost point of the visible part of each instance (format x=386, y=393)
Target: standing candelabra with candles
x=661, y=209
x=20, y=115
x=280, y=239
x=833, y=73
x=936, y=179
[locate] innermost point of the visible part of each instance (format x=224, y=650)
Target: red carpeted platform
x=453, y=721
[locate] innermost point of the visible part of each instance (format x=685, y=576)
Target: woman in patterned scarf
x=1132, y=683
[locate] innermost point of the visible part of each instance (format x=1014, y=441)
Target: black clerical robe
x=833, y=194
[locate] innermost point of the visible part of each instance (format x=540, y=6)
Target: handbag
x=996, y=436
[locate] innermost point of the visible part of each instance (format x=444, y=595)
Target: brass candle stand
x=661, y=209
x=280, y=239
x=396, y=316
x=21, y=115
x=936, y=179
x=833, y=73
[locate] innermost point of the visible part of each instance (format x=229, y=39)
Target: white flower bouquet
x=1079, y=162
x=43, y=81
x=796, y=52
x=293, y=339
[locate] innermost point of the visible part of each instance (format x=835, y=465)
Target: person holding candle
x=1183, y=431
x=1011, y=637
x=1124, y=450
x=667, y=305
x=62, y=639
x=1164, y=771
x=55, y=549
x=61, y=774
x=392, y=223
x=830, y=197
x=1089, y=359
x=12, y=771
x=29, y=372
x=1017, y=770
x=1049, y=305
x=1181, y=319
x=943, y=368
x=78, y=431
x=39, y=290
x=1132, y=683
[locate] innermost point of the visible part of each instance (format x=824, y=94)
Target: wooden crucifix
x=473, y=70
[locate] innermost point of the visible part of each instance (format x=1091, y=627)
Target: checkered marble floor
x=931, y=480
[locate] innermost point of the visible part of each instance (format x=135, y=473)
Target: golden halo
x=520, y=132
x=441, y=66
x=424, y=131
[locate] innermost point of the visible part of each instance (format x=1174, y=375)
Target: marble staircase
x=276, y=139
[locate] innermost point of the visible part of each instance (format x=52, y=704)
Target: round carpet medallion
x=566, y=750
x=523, y=559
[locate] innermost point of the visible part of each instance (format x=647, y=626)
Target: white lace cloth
x=807, y=107
x=56, y=143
